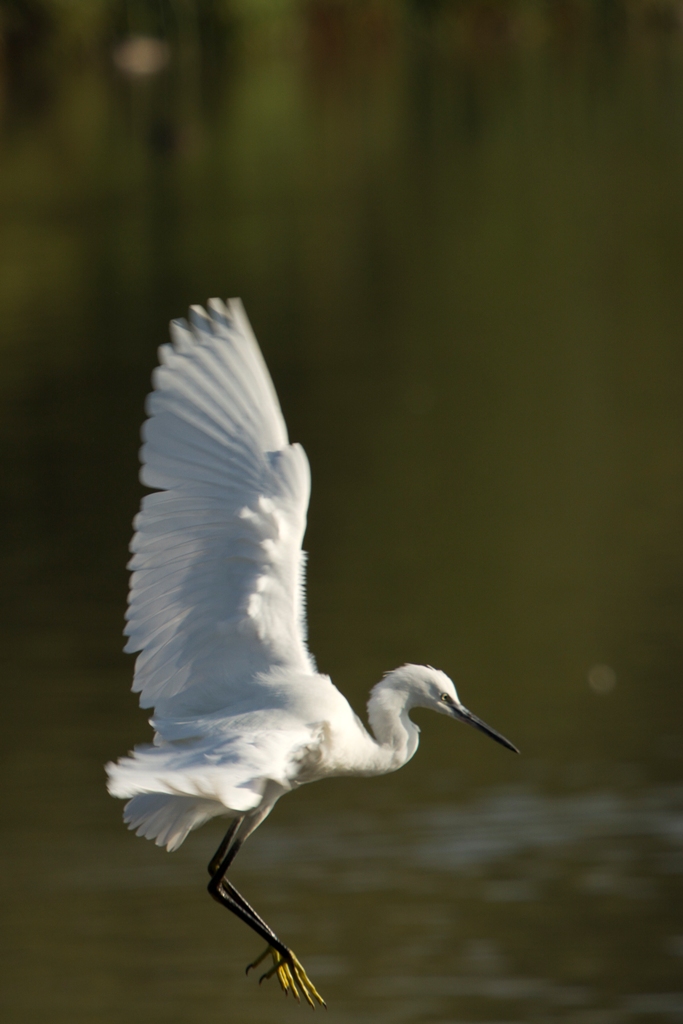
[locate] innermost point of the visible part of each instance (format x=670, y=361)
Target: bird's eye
x=447, y=698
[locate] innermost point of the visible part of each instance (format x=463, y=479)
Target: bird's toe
x=291, y=976
x=309, y=990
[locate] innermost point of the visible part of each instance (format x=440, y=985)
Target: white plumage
x=216, y=598
x=216, y=609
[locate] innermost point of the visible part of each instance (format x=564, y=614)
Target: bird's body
x=241, y=714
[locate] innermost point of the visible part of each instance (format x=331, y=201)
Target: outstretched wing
x=216, y=597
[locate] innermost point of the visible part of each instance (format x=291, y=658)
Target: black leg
x=225, y=893
x=285, y=964
x=220, y=853
x=240, y=910
x=220, y=862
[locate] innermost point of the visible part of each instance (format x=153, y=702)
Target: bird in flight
x=216, y=610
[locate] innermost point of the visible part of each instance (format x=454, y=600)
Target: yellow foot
x=290, y=974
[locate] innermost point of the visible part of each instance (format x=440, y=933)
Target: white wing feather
x=216, y=594
x=216, y=605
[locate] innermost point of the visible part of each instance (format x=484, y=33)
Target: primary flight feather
x=216, y=610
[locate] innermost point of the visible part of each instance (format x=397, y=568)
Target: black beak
x=466, y=716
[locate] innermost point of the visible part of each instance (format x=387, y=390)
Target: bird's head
x=427, y=687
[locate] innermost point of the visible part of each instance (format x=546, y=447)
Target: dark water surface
x=458, y=232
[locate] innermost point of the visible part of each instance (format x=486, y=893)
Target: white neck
x=396, y=736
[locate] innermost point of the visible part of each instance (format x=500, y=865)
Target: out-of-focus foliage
x=86, y=23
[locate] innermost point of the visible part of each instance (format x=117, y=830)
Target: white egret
x=216, y=610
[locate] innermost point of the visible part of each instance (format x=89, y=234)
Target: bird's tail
x=168, y=819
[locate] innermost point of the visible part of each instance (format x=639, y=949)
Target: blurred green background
x=458, y=231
